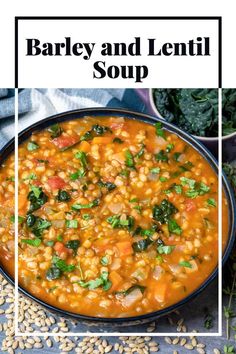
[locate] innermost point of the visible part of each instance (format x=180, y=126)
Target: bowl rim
x=202, y=138
x=118, y=112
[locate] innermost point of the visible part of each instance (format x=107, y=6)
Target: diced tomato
x=102, y=140
x=116, y=279
x=65, y=141
x=56, y=182
x=61, y=250
x=190, y=205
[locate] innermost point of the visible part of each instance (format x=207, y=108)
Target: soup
x=117, y=217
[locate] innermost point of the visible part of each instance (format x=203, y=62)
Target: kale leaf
x=193, y=110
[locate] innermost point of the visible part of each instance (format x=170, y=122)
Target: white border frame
x=130, y=334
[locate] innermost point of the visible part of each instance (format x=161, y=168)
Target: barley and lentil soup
x=117, y=217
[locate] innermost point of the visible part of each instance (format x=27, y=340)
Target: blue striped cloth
x=36, y=104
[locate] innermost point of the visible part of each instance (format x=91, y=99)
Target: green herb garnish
x=31, y=146
x=211, y=202
x=32, y=242
x=159, y=130
x=161, y=156
x=37, y=198
x=185, y=264
x=79, y=206
x=102, y=281
x=80, y=155
x=174, y=228
x=129, y=159
x=55, y=131
x=20, y=219
x=78, y=174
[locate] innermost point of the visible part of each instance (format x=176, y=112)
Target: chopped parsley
x=211, y=202
x=117, y=223
x=185, y=264
x=155, y=170
x=80, y=155
x=159, y=130
x=79, y=206
x=36, y=242
x=163, y=179
x=195, y=188
x=32, y=176
x=102, y=281
x=174, y=228
x=31, y=146
x=169, y=147
x=55, y=131
x=20, y=219
x=72, y=224
x=78, y=174
x=140, y=153
x=161, y=156
x=86, y=217
x=129, y=159
x=37, y=198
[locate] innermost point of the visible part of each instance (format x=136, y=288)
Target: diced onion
x=132, y=297
x=157, y=272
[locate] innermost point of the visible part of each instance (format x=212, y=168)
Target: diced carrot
x=125, y=248
x=21, y=201
x=59, y=247
x=102, y=140
x=116, y=279
x=84, y=146
x=160, y=292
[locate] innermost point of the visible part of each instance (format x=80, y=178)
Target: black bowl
x=94, y=112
